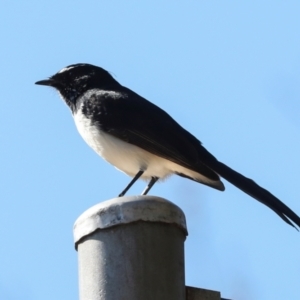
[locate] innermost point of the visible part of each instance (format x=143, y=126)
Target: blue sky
x=227, y=71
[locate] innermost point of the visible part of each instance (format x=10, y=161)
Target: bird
x=142, y=140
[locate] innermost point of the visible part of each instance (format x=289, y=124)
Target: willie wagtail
x=142, y=140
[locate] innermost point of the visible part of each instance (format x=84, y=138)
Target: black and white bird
x=142, y=140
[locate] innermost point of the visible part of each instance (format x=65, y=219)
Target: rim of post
x=125, y=210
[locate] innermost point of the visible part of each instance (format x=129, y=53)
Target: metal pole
x=131, y=248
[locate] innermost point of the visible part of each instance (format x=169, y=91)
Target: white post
x=131, y=248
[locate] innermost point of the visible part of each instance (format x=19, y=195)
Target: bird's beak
x=49, y=82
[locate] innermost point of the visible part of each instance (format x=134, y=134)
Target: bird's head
x=74, y=80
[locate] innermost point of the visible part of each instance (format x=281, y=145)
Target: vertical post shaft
x=131, y=248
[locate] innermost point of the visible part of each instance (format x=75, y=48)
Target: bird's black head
x=74, y=80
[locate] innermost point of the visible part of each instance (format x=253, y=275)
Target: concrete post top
x=124, y=210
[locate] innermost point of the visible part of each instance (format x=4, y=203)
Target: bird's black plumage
x=141, y=139
x=154, y=130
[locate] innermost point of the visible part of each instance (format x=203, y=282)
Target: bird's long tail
x=257, y=192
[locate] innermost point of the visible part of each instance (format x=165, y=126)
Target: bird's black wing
x=137, y=121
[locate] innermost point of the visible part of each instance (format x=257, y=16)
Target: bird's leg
x=134, y=179
x=150, y=185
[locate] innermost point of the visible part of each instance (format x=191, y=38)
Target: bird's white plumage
x=126, y=157
x=66, y=69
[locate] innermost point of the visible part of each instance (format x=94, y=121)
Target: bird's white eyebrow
x=66, y=69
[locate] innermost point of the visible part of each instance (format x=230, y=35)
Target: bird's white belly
x=124, y=156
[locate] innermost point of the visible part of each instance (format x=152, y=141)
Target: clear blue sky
x=228, y=71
